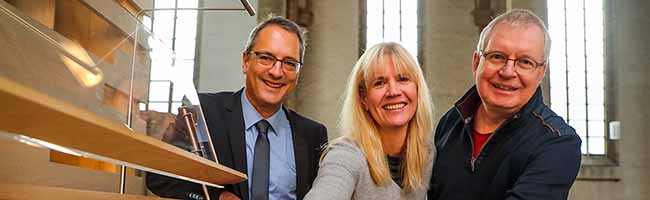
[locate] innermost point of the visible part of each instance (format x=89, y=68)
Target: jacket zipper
x=480, y=150
x=473, y=160
x=471, y=152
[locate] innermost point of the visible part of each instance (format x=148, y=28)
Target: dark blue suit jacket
x=225, y=121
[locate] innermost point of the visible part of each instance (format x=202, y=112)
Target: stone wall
x=332, y=51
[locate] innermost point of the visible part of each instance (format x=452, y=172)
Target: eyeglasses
x=523, y=64
x=267, y=60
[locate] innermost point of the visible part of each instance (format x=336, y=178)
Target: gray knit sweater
x=344, y=174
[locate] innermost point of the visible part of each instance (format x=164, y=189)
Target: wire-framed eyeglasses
x=267, y=60
x=522, y=64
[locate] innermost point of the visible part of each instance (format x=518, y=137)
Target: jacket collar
x=467, y=105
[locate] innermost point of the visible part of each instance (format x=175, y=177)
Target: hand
x=225, y=195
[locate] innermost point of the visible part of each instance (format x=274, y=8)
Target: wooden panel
x=25, y=164
x=129, y=6
x=78, y=23
x=39, y=116
x=39, y=10
x=22, y=191
x=64, y=158
x=89, y=163
x=101, y=37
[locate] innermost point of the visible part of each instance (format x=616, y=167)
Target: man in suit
x=252, y=131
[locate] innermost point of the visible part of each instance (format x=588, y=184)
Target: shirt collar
x=251, y=116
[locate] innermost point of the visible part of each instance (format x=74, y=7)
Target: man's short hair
x=515, y=17
x=285, y=24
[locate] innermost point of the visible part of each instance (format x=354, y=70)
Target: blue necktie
x=261, y=156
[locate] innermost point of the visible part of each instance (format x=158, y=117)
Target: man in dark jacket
x=500, y=141
x=253, y=132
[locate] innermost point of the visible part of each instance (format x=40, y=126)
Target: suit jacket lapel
x=237, y=139
x=301, y=155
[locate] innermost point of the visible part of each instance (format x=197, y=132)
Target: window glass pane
x=558, y=94
x=409, y=26
x=160, y=69
x=187, y=15
x=560, y=110
x=577, y=52
x=595, y=60
x=165, y=3
x=556, y=21
x=596, y=95
x=594, y=26
x=142, y=106
x=557, y=70
x=159, y=91
x=184, y=72
x=176, y=66
x=557, y=60
x=163, y=25
x=392, y=21
x=583, y=146
x=160, y=49
x=188, y=3
x=175, y=107
x=596, y=145
x=146, y=20
x=576, y=79
x=577, y=112
x=374, y=31
x=184, y=68
x=577, y=95
x=595, y=78
x=186, y=28
x=580, y=126
x=596, y=128
x=160, y=107
x=596, y=111
x=558, y=101
x=185, y=49
x=575, y=44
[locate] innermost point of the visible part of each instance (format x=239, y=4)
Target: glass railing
x=106, y=83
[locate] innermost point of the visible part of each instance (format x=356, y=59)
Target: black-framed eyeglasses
x=523, y=64
x=267, y=60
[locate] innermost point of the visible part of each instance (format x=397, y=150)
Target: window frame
x=179, y=59
x=363, y=26
x=611, y=154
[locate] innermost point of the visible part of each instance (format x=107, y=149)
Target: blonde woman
x=385, y=151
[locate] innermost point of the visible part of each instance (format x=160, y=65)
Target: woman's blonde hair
x=358, y=125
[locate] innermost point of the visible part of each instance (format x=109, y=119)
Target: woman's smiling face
x=390, y=97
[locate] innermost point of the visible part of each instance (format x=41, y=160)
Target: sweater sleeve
x=550, y=171
x=338, y=173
